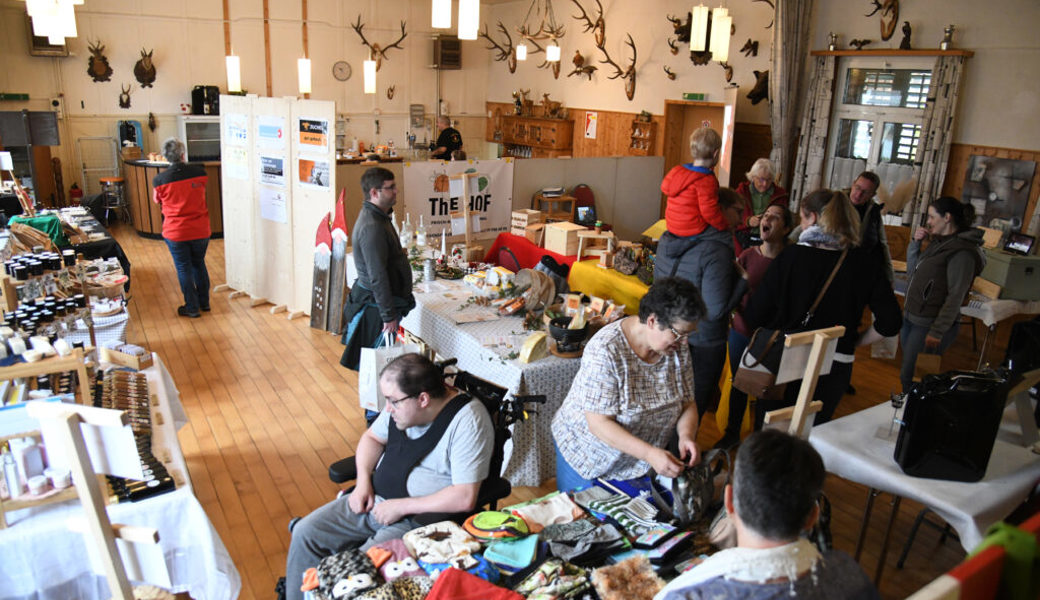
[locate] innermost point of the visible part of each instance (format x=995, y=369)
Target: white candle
x=444, y=248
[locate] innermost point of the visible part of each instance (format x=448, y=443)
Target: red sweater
x=181, y=192
x=693, y=201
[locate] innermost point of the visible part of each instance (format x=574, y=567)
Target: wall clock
x=341, y=70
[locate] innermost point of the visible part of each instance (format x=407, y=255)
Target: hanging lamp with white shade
x=440, y=14
x=699, y=28
x=368, y=69
x=552, y=52
x=234, y=73
x=721, y=23
x=521, y=51
x=469, y=19
x=303, y=75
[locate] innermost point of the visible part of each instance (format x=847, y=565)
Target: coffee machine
x=205, y=100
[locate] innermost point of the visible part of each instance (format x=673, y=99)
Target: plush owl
x=404, y=588
x=398, y=563
x=345, y=575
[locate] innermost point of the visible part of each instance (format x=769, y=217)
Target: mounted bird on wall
x=580, y=68
x=97, y=64
x=144, y=70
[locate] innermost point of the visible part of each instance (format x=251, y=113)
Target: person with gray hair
x=759, y=192
x=180, y=191
x=774, y=497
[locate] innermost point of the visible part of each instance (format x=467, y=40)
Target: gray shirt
x=462, y=455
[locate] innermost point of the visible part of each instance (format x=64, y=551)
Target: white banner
x=426, y=186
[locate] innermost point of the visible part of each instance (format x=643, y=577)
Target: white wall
x=1001, y=84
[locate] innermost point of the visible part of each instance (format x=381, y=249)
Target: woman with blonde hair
x=759, y=192
x=828, y=244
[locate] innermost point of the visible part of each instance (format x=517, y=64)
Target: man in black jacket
x=872, y=230
x=448, y=140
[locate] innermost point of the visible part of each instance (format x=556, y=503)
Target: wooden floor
x=270, y=408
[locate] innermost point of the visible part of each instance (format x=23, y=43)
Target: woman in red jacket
x=759, y=192
x=181, y=192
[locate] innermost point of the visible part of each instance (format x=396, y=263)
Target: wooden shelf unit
x=536, y=137
x=643, y=137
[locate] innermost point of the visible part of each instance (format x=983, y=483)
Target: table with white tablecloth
x=41, y=559
x=482, y=348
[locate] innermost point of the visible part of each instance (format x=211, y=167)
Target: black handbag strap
x=812, y=309
x=765, y=351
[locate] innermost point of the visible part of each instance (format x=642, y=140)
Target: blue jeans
x=911, y=340
x=567, y=478
x=190, y=259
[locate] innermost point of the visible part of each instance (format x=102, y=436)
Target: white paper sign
x=314, y=135
x=235, y=163
x=236, y=132
x=591, y=118
x=795, y=358
x=270, y=132
x=272, y=170
x=273, y=204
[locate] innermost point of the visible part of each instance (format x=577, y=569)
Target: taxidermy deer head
x=124, y=98
x=502, y=51
x=144, y=70
x=97, y=64
x=376, y=52
x=889, y=10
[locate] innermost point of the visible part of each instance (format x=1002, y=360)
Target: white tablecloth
x=991, y=312
x=41, y=559
x=481, y=349
x=850, y=449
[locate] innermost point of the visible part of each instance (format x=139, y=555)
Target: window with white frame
x=876, y=121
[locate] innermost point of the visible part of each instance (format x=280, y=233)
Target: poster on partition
x=314, y=173
x=273, y=204
x=236, y=130
x=427, y=188
x=235, y=163
x=270, y=132
x=272, y=170
x=314, y=135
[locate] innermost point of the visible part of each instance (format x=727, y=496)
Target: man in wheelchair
x=425, y=455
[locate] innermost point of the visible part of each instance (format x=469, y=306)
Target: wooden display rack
x=57, y=364
x=474, y=252
x=643, y=137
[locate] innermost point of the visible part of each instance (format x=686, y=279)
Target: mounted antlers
x=669, y=73
x=628, y=74
x=377, y=52
x=598, y=27
x=673, y=45
x=502, y=52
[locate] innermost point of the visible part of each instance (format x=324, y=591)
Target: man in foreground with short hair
x=426, y=455
x=777, y=482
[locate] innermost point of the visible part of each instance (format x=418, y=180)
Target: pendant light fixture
x=720, y=28
x=552, y=52
x=303, y=75
x=699, y=28
x=469, y=19
x=234, y=73
x=521, y=51
x=440, y=14
x=368, y=68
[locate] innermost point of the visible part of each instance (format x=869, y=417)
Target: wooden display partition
x=270, y=218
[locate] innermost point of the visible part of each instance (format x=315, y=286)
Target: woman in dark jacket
x=939, y=280
x=830, y=225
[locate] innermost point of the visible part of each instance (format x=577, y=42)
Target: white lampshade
x=65, y=21
x=38, y=7
x=369, y=70
x=552, y=52
x=720, y=26
x=699, y=28
x=521, y=51
x=234, y=73
x=469, y=19
x=303, y=74
x=440, y=14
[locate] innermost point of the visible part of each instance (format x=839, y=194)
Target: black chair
x=504, y=413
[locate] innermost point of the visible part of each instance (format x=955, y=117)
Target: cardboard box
x=562, y=238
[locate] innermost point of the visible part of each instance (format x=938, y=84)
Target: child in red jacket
x=693, y=191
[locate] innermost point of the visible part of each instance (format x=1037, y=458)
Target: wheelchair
x=504, y=413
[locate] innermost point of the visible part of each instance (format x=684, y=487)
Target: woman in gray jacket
x=940, y=278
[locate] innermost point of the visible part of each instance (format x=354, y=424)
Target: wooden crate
x=535, y=233
x=562, y=238
x=136, y=363
x=526, y=216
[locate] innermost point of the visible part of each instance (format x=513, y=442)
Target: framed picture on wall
x=38, y=46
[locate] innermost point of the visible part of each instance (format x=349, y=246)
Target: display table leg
x=888, y=535
x=871, y=494
x=985, y=342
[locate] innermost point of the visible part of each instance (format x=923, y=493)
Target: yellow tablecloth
x=587, y=277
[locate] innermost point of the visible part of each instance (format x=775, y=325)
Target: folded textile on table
x=552, y=508
x=617, y=509
x=474, y=564
x=440, y=542
x=596, y=544
x=394, y=560
x=512, y=555
x=402, y=588
x=454, y=584
x=554, y=579
x=346, y=574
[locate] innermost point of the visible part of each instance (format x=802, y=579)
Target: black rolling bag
x=950, y=425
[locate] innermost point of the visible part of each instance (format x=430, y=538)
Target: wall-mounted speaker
x=447, y=53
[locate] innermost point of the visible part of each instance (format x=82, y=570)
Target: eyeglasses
x=679, y=336
x=395, y=403
x=392, y=186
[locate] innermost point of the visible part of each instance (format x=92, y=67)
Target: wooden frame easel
x=799, y=413
x=474, y=252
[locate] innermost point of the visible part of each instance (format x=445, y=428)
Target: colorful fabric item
x=405, y=588
x=474, y=564
x=440, y=542
x=346, y=574
x=495, y=525
x=310, y=580
x=512, y=554
x=547, y=510
x=554, y=580
x=399, y=562
x=568, y=532
x=597, y=542
x=616, y=508
x=454, y=584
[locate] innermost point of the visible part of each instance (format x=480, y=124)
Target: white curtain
x=933, y=152
x=790, y=49
x=807, y=172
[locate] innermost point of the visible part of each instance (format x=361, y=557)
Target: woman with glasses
x=633, y=393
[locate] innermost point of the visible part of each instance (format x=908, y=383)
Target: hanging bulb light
x=721, y=23
x=369, y=70
x=234, y=73
x=699, y=28
x=552, y=52
x=303, y=75
x=521, y=51
x=469, y=19
x=440, y=14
